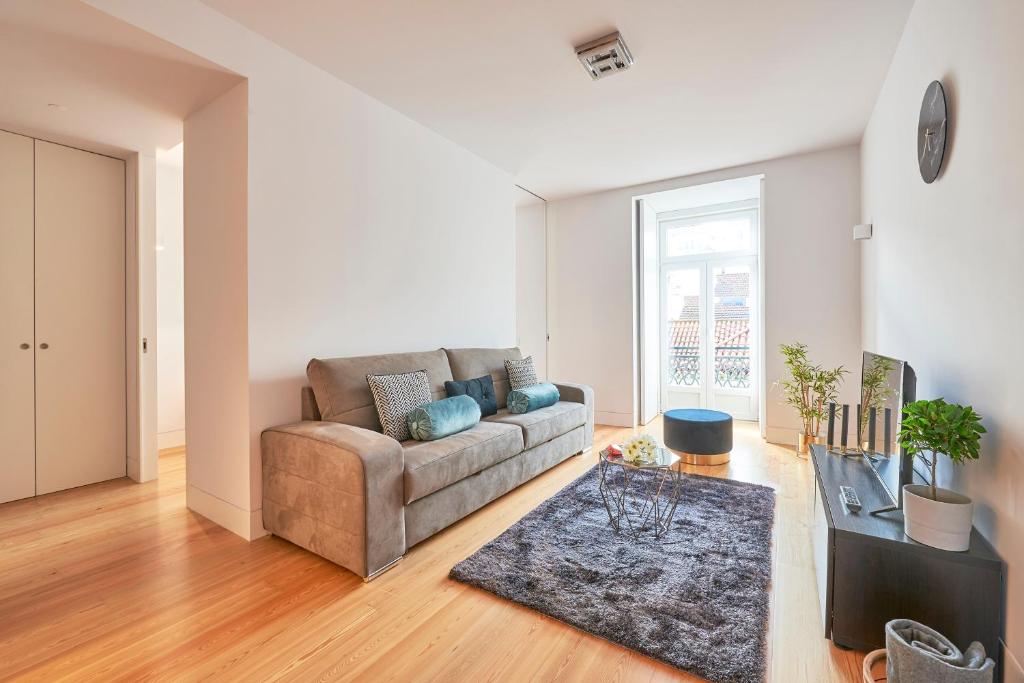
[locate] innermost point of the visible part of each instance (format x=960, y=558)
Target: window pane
x=731, y=300
x=685, y=237
x=683, y=304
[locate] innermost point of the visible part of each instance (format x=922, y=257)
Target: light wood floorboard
x=119, y=581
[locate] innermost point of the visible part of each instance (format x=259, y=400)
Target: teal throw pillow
x=443, y=418
x=532, y=398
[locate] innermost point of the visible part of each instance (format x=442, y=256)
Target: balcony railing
x=732, y=366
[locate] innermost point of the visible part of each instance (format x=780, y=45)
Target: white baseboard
x=245, y=523
x=603, y=417
x=1013, y=672
x=133, y=470
x=170, y=439
x=256, y=529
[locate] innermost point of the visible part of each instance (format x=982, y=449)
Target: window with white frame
x=708, y=259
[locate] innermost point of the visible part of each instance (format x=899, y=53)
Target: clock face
x=931, y=132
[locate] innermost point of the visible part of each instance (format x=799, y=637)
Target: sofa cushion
x=341, y=391
x=521, y=373
x=540, y=426
x=438, y=419
x=470, y=363
x=480, y=389
x=531, y=398
x=395, y=396
x=432, y=465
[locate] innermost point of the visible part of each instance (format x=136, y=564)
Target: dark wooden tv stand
x=868, y=572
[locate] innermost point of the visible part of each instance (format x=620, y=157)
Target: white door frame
x=140, y=316
x=648, y=306
x=706, y=263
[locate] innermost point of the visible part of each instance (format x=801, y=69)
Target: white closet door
x=17, y=409
x=80, y=317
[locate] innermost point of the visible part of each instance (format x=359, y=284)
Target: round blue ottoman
x=702, y=437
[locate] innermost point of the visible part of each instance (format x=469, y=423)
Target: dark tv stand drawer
x=868, y=572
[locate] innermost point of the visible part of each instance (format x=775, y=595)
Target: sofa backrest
x=472, y=363
x=343, y=395
x=310, y=411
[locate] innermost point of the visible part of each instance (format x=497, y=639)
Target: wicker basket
x=870, y=659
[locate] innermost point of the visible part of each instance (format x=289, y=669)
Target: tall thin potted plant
x=933, y=515
x=809, y=389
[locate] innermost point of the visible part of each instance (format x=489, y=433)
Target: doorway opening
x=170, y=299
x=93, y=172
x=531, y=278
x=700, y=299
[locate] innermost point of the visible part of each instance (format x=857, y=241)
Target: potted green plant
x=809, y=389
x=933, y=515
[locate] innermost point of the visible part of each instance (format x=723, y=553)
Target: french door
x=708, y=354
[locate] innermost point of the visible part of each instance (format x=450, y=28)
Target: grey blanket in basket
x=919, y=654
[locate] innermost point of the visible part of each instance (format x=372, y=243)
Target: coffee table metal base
x=640, y=500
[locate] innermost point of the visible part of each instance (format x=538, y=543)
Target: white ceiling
x=716, y=83
x=118, y=89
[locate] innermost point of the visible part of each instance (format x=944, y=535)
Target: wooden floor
x=119, y=581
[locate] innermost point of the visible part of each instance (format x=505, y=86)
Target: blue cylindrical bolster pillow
x=443, y=418
x=532, y=398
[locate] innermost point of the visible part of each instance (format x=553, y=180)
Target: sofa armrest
x=580, y=393
x=336, y=490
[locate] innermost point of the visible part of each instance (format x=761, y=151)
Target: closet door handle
x=25, y=345
x=44, y=345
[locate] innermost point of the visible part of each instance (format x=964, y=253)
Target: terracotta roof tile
x=730, y=332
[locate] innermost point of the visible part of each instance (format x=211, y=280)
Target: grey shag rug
x=696, y=599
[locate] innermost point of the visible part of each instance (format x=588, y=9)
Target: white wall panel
x=942, y=277
x=17, y=343
x=80, y=317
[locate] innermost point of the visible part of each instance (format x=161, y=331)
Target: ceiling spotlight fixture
x=604, y=56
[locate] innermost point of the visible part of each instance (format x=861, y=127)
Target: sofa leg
x=389, y=565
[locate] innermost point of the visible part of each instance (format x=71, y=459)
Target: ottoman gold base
x=698, y=459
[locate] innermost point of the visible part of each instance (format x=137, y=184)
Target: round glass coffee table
x=640, y=497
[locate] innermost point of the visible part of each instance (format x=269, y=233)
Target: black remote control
x=850, y=499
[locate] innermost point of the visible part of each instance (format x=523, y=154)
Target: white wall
x=531, y=279
x=170, y=286
x=810, y=265
x=217, y=361
x=942, y=276
x=367, y=232
x=708, y=194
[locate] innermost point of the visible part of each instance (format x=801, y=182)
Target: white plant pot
x=944, y=523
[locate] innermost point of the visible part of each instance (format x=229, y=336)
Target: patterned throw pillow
x=521, y=373
x=395, y=397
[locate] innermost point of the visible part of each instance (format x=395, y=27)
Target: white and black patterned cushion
x=395, y=396
x=521, y=373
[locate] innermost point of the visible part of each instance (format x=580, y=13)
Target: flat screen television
x=887, y=384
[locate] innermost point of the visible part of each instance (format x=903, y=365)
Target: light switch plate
x=862, y=231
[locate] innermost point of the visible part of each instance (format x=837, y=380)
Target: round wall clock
x=931, y=132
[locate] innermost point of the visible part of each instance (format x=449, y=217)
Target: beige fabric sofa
x=335, y=485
